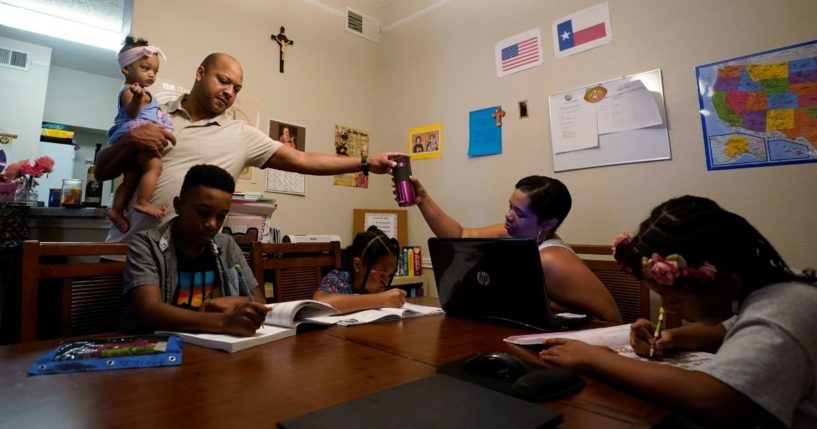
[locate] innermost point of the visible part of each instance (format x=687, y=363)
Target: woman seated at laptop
x=537, y=206
x=368, y=267
x=711, y=265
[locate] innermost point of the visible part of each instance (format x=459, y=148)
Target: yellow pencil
x=657, y=330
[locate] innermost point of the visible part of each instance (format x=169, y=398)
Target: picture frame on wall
x=286, y=182
x=426, y=141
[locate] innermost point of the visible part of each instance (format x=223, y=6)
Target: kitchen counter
x=68, y=224
x=67, y=212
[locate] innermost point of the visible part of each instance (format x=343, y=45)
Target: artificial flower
x=660, y=270
x=667, y=270
x=621, y=238
x=24, y=168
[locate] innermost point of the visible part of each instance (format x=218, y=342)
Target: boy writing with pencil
x=184, y=276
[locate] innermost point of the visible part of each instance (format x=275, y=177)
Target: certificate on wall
x=394, y=223
x=386, y=222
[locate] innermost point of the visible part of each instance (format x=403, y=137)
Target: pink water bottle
x=402, y=184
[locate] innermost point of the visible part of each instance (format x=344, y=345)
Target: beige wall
x=331, y=77
x=440, y=66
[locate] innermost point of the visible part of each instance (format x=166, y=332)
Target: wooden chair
x=632, y=297
x=297, y=268
x=88, y=292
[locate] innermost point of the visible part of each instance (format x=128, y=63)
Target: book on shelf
x=617, y=338
x=284, y=317
x=410, y=261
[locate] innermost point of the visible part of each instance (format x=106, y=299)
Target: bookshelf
x=412, y=282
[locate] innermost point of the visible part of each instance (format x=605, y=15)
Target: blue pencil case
x=103, y=354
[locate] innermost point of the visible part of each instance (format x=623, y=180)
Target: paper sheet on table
x=629, y=105
x=573, y=124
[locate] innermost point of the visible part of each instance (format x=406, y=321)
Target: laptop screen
x=499, y=279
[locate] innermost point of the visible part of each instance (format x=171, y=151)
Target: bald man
x=205, y=134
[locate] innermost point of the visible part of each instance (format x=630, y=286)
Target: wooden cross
x=498, y=114
x=283, y=42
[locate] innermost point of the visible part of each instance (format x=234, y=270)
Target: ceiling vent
x=363, y=25
x=14, y=59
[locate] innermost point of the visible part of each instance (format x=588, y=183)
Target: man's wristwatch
x=364, y=165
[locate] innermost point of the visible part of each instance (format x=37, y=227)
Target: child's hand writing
x=394, y=298
x=245, y=319
x=224, y=304
x=642, y=337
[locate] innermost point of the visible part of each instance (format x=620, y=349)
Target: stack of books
x=57, y=133
x=410, y=262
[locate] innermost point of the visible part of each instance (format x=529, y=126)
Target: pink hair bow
x=133, y=54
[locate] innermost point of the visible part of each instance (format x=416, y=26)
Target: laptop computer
x=495, y=279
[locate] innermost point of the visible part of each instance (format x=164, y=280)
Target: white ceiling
x=85, y=58
x=68, y=54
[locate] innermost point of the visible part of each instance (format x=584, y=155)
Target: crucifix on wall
x=283, y=43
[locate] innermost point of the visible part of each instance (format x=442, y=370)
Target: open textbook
x=378, y=315
x=284, y=318
x=617, y=338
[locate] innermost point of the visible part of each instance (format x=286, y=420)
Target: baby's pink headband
x=133, y=54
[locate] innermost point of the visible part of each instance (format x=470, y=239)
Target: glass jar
x=71, y=193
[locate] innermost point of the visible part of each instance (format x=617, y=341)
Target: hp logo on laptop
x=483, y=278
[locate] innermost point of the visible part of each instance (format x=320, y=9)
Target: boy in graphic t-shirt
x=184, y=276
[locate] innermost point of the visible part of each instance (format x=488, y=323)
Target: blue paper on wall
x=484, y=136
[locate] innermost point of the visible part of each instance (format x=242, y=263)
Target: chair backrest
x=632, y=297
x=295, y=269
x=87, y=293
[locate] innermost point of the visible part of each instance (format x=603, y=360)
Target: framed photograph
x=426, y=141
x=286, y=182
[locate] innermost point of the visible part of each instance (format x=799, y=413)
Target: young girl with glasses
x=362, y=283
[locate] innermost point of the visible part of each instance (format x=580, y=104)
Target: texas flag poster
x=583, y=30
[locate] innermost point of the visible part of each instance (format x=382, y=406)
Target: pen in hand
x=243, y=283
x=657, y=330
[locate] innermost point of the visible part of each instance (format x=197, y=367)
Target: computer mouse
x=495, y=364
x=547, y=384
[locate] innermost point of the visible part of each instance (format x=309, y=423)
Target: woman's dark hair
x=207, y=175
x=549, y=198
x=369, y=246
x=701, y=231
x=131, y=42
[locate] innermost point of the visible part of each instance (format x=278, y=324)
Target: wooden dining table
x=260, y=386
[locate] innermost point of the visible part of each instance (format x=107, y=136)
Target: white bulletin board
x=649, y=143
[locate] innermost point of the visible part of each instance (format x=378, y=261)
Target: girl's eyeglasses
x=383, y=277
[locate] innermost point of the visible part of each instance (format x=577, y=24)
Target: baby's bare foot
x=118, y=220
x=150, y=210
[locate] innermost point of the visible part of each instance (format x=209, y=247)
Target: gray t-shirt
x=769, y=353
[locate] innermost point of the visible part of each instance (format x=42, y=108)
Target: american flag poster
x=519, y=52
x=585, y=29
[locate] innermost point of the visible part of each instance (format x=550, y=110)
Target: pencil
x=243, y=283
x=657, y=330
